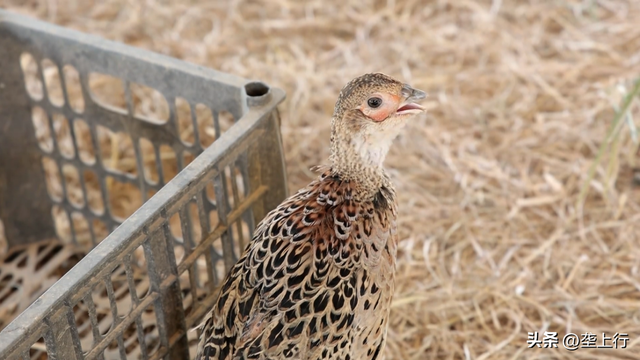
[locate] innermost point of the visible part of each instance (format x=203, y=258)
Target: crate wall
x=98, y=129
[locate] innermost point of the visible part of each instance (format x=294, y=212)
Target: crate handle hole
x=257, y=92
x=256, y=88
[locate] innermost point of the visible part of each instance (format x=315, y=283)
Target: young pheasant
x=317, y=279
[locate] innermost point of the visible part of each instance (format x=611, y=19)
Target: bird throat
x=357, y=160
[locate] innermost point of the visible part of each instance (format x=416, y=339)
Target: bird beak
x=411, y=96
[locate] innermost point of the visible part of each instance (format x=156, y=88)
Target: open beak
x=411, y=96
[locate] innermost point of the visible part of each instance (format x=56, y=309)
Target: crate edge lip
x=94, y=41
x=53, y=298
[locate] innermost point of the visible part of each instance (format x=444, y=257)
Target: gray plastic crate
x=141, y=289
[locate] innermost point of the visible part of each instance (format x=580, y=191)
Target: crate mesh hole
x=230, y=189
x=240, y=182
x=214, y=220
x=149, y=104
x=179, y=252
x=169, y=163
x=108, y=92
x=116, y=152
x=124, y=198
x=83, y=324
x=84, y=142
x=149, y=161
x=220, y=271
x=74, y=89
x=31, y=76
x=81, y=229
x=52, y=81
x=185, y=290
x=63, y=135
x=202, y=276
x=217, y=267
x=94, y=194
x=75, y=194
x=236, y=190
x=184, y=121
x=103, y=309
x=210, y=192
x=225, y=121
x=61, y=222
x=139, y=267
x=206, y=129
x=196, y=226
x=217, y=244
x=175, y=228
x=38, y=350
x=236, y=230
x=122, y=295
x=243, y=234
x=40, y=121
x=52, y=178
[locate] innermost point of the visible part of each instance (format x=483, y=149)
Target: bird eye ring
x=374, y=102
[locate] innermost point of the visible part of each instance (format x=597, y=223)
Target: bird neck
x=358, y=161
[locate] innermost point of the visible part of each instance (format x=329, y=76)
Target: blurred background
x=495, y=241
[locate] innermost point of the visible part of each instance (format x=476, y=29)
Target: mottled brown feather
x=316, y=281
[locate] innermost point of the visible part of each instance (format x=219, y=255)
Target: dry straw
x=494, y=240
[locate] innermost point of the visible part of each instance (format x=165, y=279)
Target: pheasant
x=317, y=279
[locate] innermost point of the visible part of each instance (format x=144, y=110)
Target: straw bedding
x=493, y=241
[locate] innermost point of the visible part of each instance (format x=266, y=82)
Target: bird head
x=370, y=112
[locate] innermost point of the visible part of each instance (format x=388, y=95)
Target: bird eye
x=374, y=102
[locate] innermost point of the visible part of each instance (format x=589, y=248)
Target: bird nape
x=317, y=279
